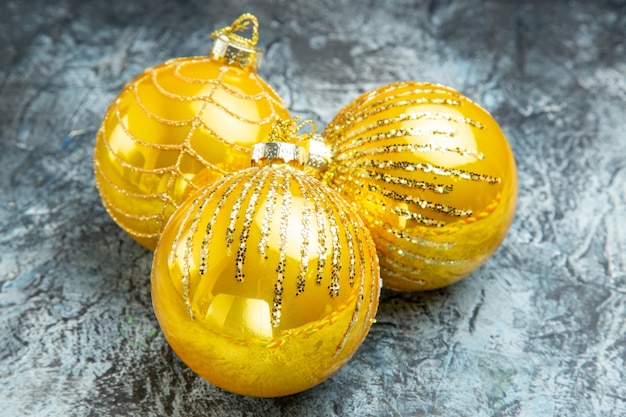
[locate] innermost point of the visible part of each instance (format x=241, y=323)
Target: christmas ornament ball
x=179, y=125
x=266, y=282
x=432, y=175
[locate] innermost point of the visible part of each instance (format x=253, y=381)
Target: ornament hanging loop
x=240, y=24
x=287, y=130
x=237, y=50
x=306, y=136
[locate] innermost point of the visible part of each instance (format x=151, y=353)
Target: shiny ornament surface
x=431, y=174
x=266, y=282
x=179, y=125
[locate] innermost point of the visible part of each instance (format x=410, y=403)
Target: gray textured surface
x=540, y=330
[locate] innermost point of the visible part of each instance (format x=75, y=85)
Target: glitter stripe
x=423, y=204
x=341, y=208
x=208, y=236
x=307, y=234
x=115, y=215
x=208, y=98
x=154, y=116
x=233, y=92
x=407, y=270
x=234, y=212
x=416, y=217
x=356, y=140
x=352, y=234
x=187, y=216
x=378, y=123
x=417, y=240
x=405, y=148
x=321, y=228
x=391, y=274
x=188, y=243
x=335, y=269
x=270, y=202
x=126, y=130
x=366, y=107
x=258, y=181
x=282, y=247
x=405, y=182
x=350, y=136
x=428, y=168
x=389, y=245
x=158, y=196
x=123, y=163
x=193, y=229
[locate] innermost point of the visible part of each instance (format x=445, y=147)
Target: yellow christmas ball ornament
x=432, y=175
x=179, y=125
x=266, y=282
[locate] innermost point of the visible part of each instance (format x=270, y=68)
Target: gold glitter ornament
x=432, y=175
x=266, y=282
x=179, y=125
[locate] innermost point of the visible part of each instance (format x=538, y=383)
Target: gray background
x=540, y=330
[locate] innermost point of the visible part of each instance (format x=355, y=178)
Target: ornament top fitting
x=281, y=144
x=236, y=49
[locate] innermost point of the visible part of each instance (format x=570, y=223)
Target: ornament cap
x=264, y=153
x=319, y=153
x=236, y=49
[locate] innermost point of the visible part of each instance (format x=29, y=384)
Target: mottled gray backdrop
x=540, y=330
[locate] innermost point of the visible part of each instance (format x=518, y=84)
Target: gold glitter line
x=416, y=217
x=188, y=245
x=154, y=116
x=389, y=245
x=258, y=181
x=115, y=215
x=214, y=84
x=209, y=165
x=307, y=235
x=428, y=169
x=392, y=274
x=354, y=138
x=266, y=224
x=340, y=208
x=378, y=123
x=421, y=203
x=139, y=217
x=335, y=269
x=186, y=276
x=208, y=236
x=201, y=196
x=231, y=91
x=365, y=104
x=407, y=270
x=123, y=163
x=214, y=135
x=405, y=148
x=405, y=182
x=349, y=136
x=135, y=139
x=320, y=222
x=282, y=247
x=193, y=229
x=359, y=225
x=234, y=212
x=159, y=196
x=352, y=234
x=405, y=214
x=417, y=240
x=208, y=99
